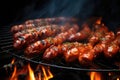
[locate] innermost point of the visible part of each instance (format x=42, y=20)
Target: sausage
x=112, y=47
x=17, y=28
x=38, y=46
x=81, y=35
x=70, y=55
x=59, y=50
x=98, y=48
x=35, y=35
x=86, y=57
x=52, y=52
x=40, y=22
x=38, y=29
x=86, y=54
x=111, y=50
x=59, y=39
x=108, y=37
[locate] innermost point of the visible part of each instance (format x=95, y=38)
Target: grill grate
x=6, y=43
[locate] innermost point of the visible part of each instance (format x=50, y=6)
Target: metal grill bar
x=1, y=35
x=7, y=47
x=6, y=40
x=6, y=37
x=7, y=43
x=6, y=32
x=62, y=65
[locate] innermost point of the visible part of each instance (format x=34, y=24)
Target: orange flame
x=95, y=76
x=47, y=77
x=50, y=74
x=31, y=73
x=44, y=73
x=13, y=61
x=99, y=21
x=39, y=76
x=14, y=74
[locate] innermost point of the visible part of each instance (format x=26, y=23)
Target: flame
x=45, y=71
x=95, y=76
x=31, y=73
x=13, y=61
x=39, y=76
x=118, y=79
x=99, y=21
x=14, y=74
x=44, y=74
x=50, y=74
x=47, y=77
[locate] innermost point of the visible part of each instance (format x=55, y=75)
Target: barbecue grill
x=6, y=43
x=108, y=10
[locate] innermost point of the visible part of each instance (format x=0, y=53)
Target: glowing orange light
x=39, y=76
x=99, y=21
x=109, y=74
x=50, y=74
x=31, y=73
x=118, y=79
x=13, y=77
x=44, y=73
x=13, y=61
x=47, y=77
x=95, y=76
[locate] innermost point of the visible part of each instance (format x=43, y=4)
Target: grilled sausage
x=57, y=50
x=112, y=47
x=41, y=29
x=35, y=35
x=108, y=37
x=86, y=57
x=17, y=28
x=40, y=22
x=85, y=53
x=97, y=34
x=71, y=54
x=60, y=38
x=81, y=35
x=111, y=50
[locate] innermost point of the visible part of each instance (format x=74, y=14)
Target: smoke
x=56, y=8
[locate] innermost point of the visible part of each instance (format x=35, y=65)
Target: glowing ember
x=95, y=76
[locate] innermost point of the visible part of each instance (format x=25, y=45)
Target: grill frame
x=6, y=42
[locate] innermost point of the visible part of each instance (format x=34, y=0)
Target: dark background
x=14, y=11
